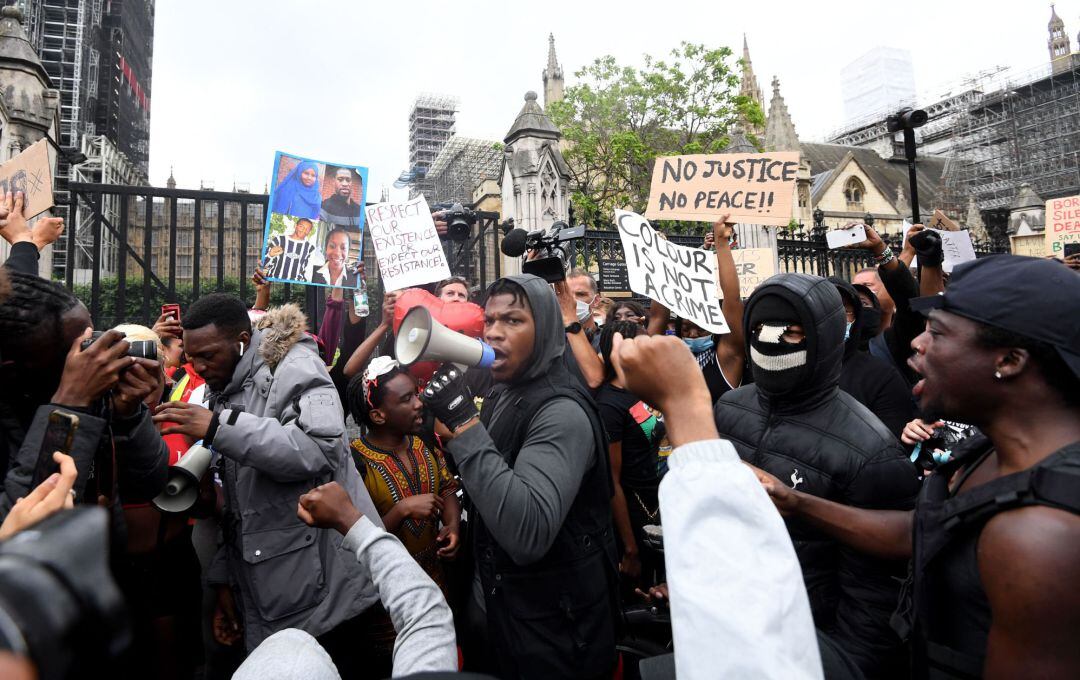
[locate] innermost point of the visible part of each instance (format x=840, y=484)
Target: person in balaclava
x=794, y=422
x=875, y=383
x=534, y=465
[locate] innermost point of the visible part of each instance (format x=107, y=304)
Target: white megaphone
x=182, y=489
x=422, y=338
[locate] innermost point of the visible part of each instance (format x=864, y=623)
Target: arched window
x=854, y=192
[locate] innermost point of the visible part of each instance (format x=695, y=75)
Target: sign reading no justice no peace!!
x=680, y=278
x=753, y=188
x=406, y=244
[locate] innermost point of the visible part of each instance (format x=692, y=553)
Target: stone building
x=29, y=106
x=553, y=75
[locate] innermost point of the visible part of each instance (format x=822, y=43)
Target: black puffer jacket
x=875, y=383
x=824, y=442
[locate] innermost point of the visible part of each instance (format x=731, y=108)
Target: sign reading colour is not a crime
x=754, y=188
x=1062, y=224
x=680, y=278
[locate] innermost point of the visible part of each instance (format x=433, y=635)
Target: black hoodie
x=875, y=383
x=822, y=441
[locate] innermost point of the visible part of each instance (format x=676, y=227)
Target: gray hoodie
x=280, y=434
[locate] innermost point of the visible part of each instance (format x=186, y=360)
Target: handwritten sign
x=957, y=248
x=1031, y=245
x=683, y=279
x=29, y=173
x=939, y=222
x=756, y=188
x=753, y=265
x=1062, y=224
x=406, y=244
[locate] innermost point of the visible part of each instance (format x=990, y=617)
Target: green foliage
x=109, y=315
x=618, y=119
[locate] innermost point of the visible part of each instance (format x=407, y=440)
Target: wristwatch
x=574, y=327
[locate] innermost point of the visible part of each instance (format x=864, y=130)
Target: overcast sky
x=235, y=80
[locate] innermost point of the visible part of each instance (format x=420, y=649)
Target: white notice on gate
x=406, y=244
x=683, y=279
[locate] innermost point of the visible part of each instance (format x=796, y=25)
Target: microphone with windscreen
x=515, y=243
x=421, y=338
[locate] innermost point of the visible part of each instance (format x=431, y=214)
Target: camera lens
x=143, y=349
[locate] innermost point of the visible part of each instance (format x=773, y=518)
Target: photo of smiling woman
x=298, y=194
x=335, y=270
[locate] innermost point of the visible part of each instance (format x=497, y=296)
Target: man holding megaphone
x=533, y=465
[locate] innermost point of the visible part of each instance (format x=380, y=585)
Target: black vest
x=554, y=618
x=952, y=613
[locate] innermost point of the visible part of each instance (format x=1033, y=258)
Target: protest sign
x=29, y=173
x=309, y=238
x=683, y=279
x=1062, y=224
x=957, y=248
x=753, y=265
x=1031, y=245
x=939, y=222
x=406, y=244
x=755, y=188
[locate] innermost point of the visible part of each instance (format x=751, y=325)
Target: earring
x=997, y=374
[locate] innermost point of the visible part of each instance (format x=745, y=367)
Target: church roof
x=14, y=45
x=1027, y=198
x=532, y=120
x=1055, y=20
x=780, y=132
x=825, y=161
x=738, y=142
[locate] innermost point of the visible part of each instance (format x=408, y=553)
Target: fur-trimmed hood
x=281, y=328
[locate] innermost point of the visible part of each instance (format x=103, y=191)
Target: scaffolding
x=431, y=125
x=462, y=164
x=1026, y=131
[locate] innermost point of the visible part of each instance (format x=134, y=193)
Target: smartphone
x=846, y=237
x=1072, y=249
x=59, y=434
x=172, y=310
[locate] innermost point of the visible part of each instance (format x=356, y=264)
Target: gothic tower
x=553, y=75
x=1058, y=42
x=750, y=88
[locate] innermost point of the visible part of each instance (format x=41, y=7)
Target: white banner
x=683, y=279
x=406, y=244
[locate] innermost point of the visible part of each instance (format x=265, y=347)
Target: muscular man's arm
x=1029, y=564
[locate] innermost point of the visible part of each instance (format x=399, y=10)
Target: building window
x=853, y=192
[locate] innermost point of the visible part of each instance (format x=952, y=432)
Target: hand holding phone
x=59, y=435
x=848, y=236
x=171, y=310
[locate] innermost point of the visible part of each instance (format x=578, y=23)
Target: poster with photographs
x=315, y=225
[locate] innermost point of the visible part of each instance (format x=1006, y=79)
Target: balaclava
x=778, y=367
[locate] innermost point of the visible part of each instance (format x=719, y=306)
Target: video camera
x=459, y=220
x=140, y=349
x=906, y=119
x=59, y=605
x=552, y=266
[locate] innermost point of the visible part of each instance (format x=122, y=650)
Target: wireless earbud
x=241, y=349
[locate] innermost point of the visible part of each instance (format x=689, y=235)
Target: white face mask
x=583, y=311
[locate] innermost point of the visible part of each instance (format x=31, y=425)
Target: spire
x=750, y=87
x=780, y=132
x=737, y=141
x=974, y=221
x=171, y=182
x=532, y=122
x=1058, y=43
x=553, y=75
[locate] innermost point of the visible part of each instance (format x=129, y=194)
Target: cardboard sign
x=939, y=222
x=755, y=188
x=1062, y=224
x=29, y=173
x=1031, y=245
x=754, y=265
x=838, y=238
x=683, y=279
x=406, y=244
x=308, y=238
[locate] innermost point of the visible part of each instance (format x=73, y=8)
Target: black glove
x=448, y=397
x=927, y=245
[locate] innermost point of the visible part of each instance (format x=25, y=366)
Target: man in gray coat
x=277, y=430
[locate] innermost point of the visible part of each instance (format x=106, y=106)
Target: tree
x=618, y=119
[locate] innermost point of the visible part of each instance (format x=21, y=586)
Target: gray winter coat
x=281, y=433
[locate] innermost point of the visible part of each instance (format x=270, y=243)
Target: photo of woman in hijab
x=336, y=269
x=298, y=194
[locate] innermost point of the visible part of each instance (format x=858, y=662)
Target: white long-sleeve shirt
x=738, y=603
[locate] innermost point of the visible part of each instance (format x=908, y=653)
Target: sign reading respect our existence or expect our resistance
x=1062, y=224
x=753, y=188
x=406, y=244
x=683, y=279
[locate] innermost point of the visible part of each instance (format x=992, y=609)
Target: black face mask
x=870, y=323
x=778, y=367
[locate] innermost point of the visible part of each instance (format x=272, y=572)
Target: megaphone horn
x=422, y=338
x=182, y=489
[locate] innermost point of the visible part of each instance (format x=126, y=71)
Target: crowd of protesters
x=874, y=479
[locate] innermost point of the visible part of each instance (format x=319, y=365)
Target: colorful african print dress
x=388, y=483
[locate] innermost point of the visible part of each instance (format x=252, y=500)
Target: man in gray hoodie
x=533, y=465
x=276, y=428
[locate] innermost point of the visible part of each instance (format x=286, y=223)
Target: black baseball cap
x=1035, y=297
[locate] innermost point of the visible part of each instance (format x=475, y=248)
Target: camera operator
x=116, y=448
